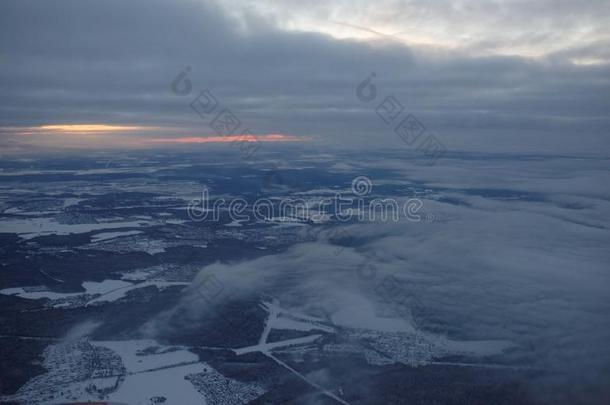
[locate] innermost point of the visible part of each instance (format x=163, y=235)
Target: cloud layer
x=112, y=62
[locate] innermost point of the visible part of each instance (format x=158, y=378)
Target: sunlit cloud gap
x=91, y=128
x=76, y=129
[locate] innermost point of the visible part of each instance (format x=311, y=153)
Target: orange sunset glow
x=75, y=129
x=90, y=128
x=95, y=135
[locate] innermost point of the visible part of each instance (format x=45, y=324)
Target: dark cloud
x=113, y=61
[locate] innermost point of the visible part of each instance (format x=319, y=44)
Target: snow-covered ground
x=143, y=371
x=105, y=291
x=135, y=372
x=157, y=372
x=28, y=228
x=91, y=288
x=111, y=235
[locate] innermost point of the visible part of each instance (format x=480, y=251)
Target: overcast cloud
x=475, y=73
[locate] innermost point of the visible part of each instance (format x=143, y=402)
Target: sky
x=480, y=75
